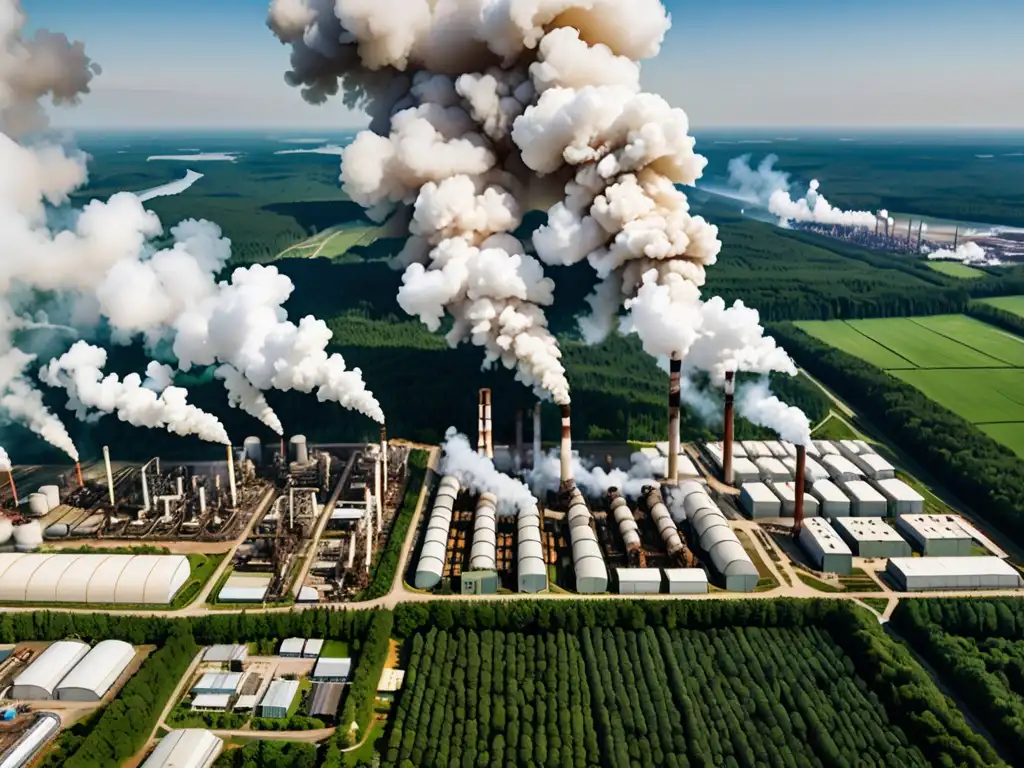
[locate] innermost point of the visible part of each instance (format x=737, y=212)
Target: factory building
x=813, y=471
x=901, y=498
x=833, y=502
x=478, y=583
x=874, y=466
x=41, y=678
x=717, y=538
x=758, y=501
x=638, y=581
x=217, y=683
x=714, y=450
x=920, y=574
x=588, y=562
x=777, y=449
x=936, y=535
x=278, y=698
x=24, y=751
x=324, y=699
x=434, y=550
x=211, y=702
x=744, y=471
x=865, y=501
x=686, y=581
x=852, y=448
x=312, y=648
x=787, y=495
x=871, y=537
x=233, y=655
x=97, y=672
x=531, y=568
x=331, y=670
x=188, y=748
x=755, y=449
x=91, y=578
x=772, y=470
x=291, y=648
x=245, y=588
x=841, y=469
x=483, y=555
x=826, y=549
x=824, y=448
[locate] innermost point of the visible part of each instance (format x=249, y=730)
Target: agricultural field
x=1014, y=304
x=974, y=369
x=956, y=269
x=616, y=697
x=333, y=243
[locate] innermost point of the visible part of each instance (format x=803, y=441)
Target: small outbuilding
x=754, y=449
x=871, y=537
x=312, y=648
x=218, y=683
x=637, y=581
x=211, y=702
x=937, y=535
x=825, y=448
x=874, y=466
x=758, y=501
x=826, y=550
x=744, y=471
x=331, y=670
x=234, y=655
x=833, y=502
x=813, y=471
x=245, y=588
x=776, y=449
x=920, y=574
x=901, y=498
x=324, y=699
x=686, y=581
x=479, y=583
x=865, y=501
x=187, y=748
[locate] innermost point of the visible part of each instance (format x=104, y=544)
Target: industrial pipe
x=231, y=478
x=383, y=460
x=481, y=428
x=920, y=230
x=78, y=472
x=488, y=437
x=202, y=499
x=145, y=492
x=110, y=474
x=566, y=470
x=536, y=435
x=674, y=367
x=798, y=501
x=518, y=457
x=377, y=487
x=730, y=391
x=14, y=488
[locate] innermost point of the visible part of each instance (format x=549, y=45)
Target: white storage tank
x=52, y=494
x=758, y=501
x=6, y=530
x=865, y=501
x=28, y=537
x=38, y=505
x=300, y=455
x=252, y=448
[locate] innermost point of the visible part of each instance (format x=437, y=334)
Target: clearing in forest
x=956, y=269
x=1014, y=304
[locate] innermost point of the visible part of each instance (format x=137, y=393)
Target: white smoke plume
x=594, y=480
x=814, y=208
x=477, y=474
x=242, y=394
x=966, y=253
x=758, y=405
x=757, y=184
x=5, y=460
x=80, y=372
x=158, y=376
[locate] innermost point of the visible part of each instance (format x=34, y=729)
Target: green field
x=969, y=367
x=1014, y=304
x=332, y=243
x=956, y=269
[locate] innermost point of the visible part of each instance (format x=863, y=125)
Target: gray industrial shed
x=636, y=581
x=278, y=698
x=827, y=551
x=903, y=500
x=188, y=748
x=833, y=502
x=918, y=574
x=787, y=495
x=433, y=552
x=936, y=535
x=531, y=568
x=871, y=537
x=758, y=501
x=865, y=501
x=691, y=581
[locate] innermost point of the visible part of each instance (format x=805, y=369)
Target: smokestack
x=730, y=391
x=14, y=488
x=956, y=236
x=920, y=229
x=674, y=368
x=798, y=502
x=367, y=499
x=145, y=491
x=284, y=451
x=876, y=223
x=566, y=473
x=291, y=507
x=78, y=472
x=518, y=457
x=181, y=487
x=110, y=474
x=202, y=500
x=481, y=426
x=231, y=477
x=488, y=437
x=536, y=435
x=376, y=485
x=383, y=462
x=910, y=223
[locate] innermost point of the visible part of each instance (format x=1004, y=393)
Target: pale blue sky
x=744, y=63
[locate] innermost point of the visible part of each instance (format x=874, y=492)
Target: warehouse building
x=716, y=452
x=826, y=549
x=40, y=679
x=851, y=448
x=787, y=495
x=773, y=470
x=531, y=568
x=754, y=449
x=919, y=574
x=871, y=537
x=330, y=670
x=686, y=581
x=758, y=501
x=936, y=535
x=188, y=748
x=874, y=466
x=217, y=683
x=245, y=588
x=638, y=581
x=717, y=539
x=226, y=654
x=92, y=578
x=833, y=502
x=841, y=469
x=324, y=699
x=588, y=562
x=901, y=498
x=211, y=702
x=97, y=672
x=312, y=648
x=744, y=471
x=813, y=471
x=865, y=501
x=24, y=751
x=278, y=698
x=825, y=448
x=434, y=550
x=777, y=449
x=291, y=648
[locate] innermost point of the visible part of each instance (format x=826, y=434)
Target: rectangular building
x=312, y=649
x=218, y=683
x=278, y=698
x=689, y=581
x=324, y=699
x=833, y=502
x=331, y=670
x=744, y=471
x=245, y=588
x=813, y=471
x=901, y=498
x=827, y=551
x=638, y=581
x=226, y=654
x=826, y=448
x=922, y=574
x=772, y=469
x=755, y=449
x=841, y=469
x=479, y=583
x=758, y=501
x=874, y=466
x=776, y=449
x=211, y=702
x=787, y=495
x=291, y=648
x=865, y=501
x=936, y=535
x=871, y=537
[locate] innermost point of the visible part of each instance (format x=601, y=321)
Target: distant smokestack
x=518, y=458
x=920, y=229
x=481, y=425
x=202, y=500
x=78, y=472
x=910, y=223
x=145, y=491
x=231, y=477
x=566, y=474
x=876, y=223
x=730, y=391
x=798, y=502
x=536, y=435
x=674, y=368
x=377, y=486
x=383, y=462
x=284, y=451
x=181, y=487
x=488, y=436
x=110, y=474
x=956, y=236
x=14, y=488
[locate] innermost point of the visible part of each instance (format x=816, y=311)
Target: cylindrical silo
x=299, y=453
x=52, y=494
x=57, y=531
x=28, y=537
x=38, y=504
x=6, y=530
x=253, y=449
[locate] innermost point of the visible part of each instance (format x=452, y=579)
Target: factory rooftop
x=827, y=540
x=935, y=526
x=867, y=529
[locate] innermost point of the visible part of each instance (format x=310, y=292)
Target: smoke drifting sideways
x=771, y=187
x=80, y=372
x=966, y=253
x=477, y=474
x=757, y=404
x=593, y=480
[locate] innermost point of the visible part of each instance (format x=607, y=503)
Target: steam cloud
x=595, y=481
x=757, y=404
x=476, y=473
x=158, y=376
x=5, y=460
x=242, y=394
x=80, y=372
x=966, y=253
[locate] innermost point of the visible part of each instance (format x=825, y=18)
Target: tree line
x=269, y=754
x=970, y=463
x=1000, y=318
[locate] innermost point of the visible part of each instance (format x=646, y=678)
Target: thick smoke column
x=595, y=481
x=158, y=376
x=966, y=253
x=757, y=404
x=5, y=460
x=80, y=372
x=476, y=473
x=757, y=185
x=242, y=394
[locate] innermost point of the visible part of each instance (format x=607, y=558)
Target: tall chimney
x=536, y=435
x=876, y=223
x=284, y=451
x=518, y=457
x=956, y=236
x=910, y=223
x=14, y=488
x=730, y=391
x=145, y=491
x=798, y=501
x=488, y=438
x=674, y=367
x=377, y=486
x=920, y=229
x=202, y=499
x=480, y=428
x=78, y=472
x=383, y=462
x=566, y=473
x=231, y=477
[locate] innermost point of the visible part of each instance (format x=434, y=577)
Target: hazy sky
x=744, y=63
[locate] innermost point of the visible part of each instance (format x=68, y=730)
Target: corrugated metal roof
x=280, y=694
x=330, y=667
x=218, y=681
x=935, y=526
x=224, y=653
x=758, y=492
x=50, y=667
x=189, y=748
x=827, y=540
x=292, y=646
x=211, y=701
x=897, y=490
x=867, y=529
x=987, y=565
x=391, y=680
x=638, y=575
x=861, y=491
x=100, y=668
x=325, y=698
x=312, y=648
x=826, y=490
x=686, y=575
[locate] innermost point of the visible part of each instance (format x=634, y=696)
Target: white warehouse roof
x=859, y=490
x=280, y=693
x=39, y=680
x=865, y=529
x=189, y=748
x=755, y=448
x=828, y=491
x=225, y=653
x=826, y=448
x=218, y=682
x=643, y=575
x=813, y=471
x=292, y=646
x=825, y=537
x=759, y=492
x=841, y=468
x=93, y=676
x=874, y=465
x=211, y=701
x=924, y=573
x=929, y=527
x=686, y=575
x=896, y=490
x=91, y=578
x=332, y=667
x=312, y=648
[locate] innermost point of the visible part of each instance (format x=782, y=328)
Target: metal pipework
x=536, y=435
x=566, y=458
x=798, y=501
x=202, y=499
x=674, y=367
x=481, y=426
x=231, y=477
x=110, y=474
x=383, y=460
x=730, y=392
x=376, y=486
